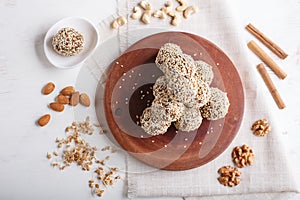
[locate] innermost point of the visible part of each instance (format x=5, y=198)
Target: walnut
x=242, y=156
x=229, y=176
x=261, y=127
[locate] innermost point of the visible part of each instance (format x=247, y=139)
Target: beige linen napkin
x=270, y=176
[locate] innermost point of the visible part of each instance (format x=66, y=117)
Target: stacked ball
x=182, y=95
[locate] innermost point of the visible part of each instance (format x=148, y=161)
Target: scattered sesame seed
x=184, y=146
x=152, y=141
x=166, y=145
x=117, y=62
x=120, y=86
x=122, y=66
x=185, y=139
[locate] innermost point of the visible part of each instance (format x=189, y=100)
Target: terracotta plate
x=128, y=92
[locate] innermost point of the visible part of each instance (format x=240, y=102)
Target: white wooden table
x=24, y=170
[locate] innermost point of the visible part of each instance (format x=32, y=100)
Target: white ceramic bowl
x=91, y=39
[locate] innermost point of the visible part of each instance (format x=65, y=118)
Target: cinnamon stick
x=267, y=59
x=266, y=41
x=275, y=94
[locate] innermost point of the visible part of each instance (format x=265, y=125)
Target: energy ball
x=68, y=42
x=217, y=107
x=173, y=63
x=190, y=120
x=204, y=71
x=185, y=90
x=168, y=110
x=152, y=123
x=204, y=93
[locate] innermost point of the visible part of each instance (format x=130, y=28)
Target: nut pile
x=182, y=95
x=242, y=156
x=143, y=11
x=68, y=42
x=261, y=127
x=229, y=176
x=75, y=149
x=67, y=96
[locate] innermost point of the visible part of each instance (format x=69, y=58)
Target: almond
x=62, y=99
x=84, y=99
x=68, y=91
x=57, y=106
x=48, y=88
x=74, y=100
x=44, y=120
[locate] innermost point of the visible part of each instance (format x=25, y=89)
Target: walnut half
x=229, y=176
x=261, y=127
x=242, y=156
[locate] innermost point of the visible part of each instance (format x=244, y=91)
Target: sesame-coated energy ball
x=204, y=71
x=152, y=123
x=190, y=120
x=217, y=107
x=173, y=63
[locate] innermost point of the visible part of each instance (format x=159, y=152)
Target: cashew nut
x=168, y=3
x=175, y=20
x=115, y=24
x=189, y=10
x=167, y=8
x=145, y=5
x=137, y=12
x=159, y=14
x=121, y=20
x=146, y=17
x=171, y=14
x=182, y=5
